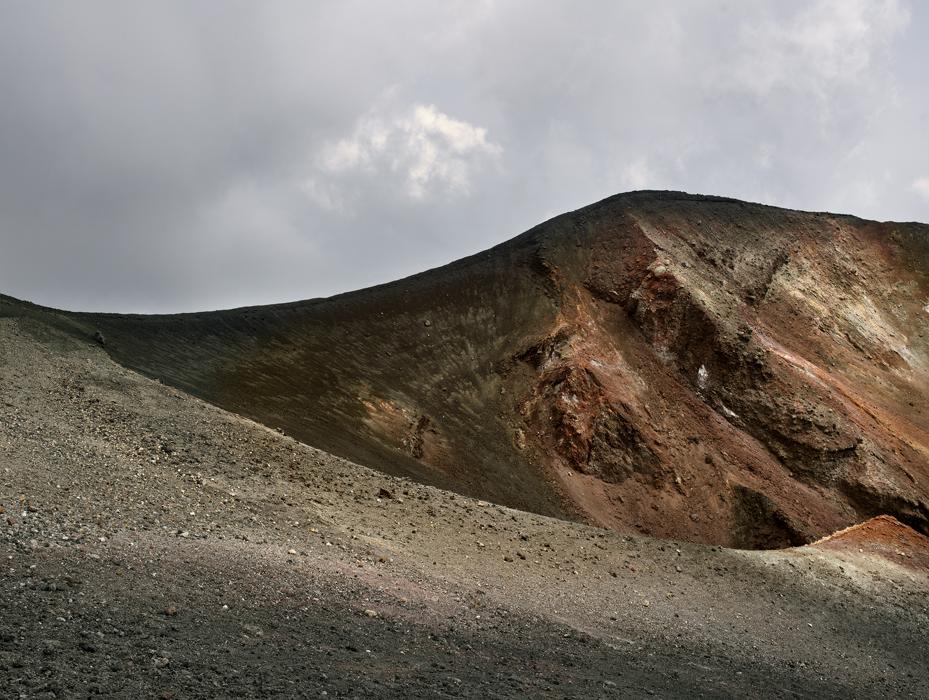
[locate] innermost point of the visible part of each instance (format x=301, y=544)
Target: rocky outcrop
x=680, y=366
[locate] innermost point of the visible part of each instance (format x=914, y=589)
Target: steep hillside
x=156, y=546
x=680, y=366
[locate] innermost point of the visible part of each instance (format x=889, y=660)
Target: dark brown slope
x=682, y=366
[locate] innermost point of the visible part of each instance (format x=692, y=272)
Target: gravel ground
x=154, y=545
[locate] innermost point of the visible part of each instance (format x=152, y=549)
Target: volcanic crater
x=680, y=366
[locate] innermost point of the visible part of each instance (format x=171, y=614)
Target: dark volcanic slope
x=687, y=367
x=155, y=546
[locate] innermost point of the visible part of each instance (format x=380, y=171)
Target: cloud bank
x=426, y=153
x=180, y=156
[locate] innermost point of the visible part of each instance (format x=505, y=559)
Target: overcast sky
x=161, y=156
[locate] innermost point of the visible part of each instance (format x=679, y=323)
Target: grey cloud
x=178, y=156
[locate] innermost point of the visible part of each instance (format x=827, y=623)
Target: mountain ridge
x=657, y=195
x=657, y=362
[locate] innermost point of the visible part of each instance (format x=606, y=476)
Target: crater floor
x=155, y=545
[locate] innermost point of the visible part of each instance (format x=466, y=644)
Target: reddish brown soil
x=884, y=536
x=678, y=366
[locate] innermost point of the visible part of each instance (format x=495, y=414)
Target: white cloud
x=431, y=152
x=828, y=43
x=921, y=187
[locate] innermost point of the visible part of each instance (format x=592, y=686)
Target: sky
x=179, y=156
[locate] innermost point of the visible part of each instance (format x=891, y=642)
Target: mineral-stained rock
x=654, y=356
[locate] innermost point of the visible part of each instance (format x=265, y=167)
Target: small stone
x=292, y=551
x=170, y=610
x=507, y=558
x=371, y=613
x=384, y=493
x=51, y=647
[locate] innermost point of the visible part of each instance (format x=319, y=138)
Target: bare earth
x=155, y=545
x=658, y=363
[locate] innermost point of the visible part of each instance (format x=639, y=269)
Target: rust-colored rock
x=883, y=536
x=689, y=367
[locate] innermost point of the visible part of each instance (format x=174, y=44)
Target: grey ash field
x=677, y=397
x=155, y=545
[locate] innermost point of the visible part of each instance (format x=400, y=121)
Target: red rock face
x=803, y=334
x=679, y=366
x=883, y=536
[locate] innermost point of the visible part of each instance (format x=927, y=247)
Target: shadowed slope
x=682, y=366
